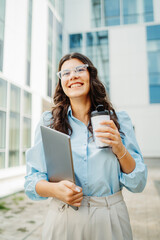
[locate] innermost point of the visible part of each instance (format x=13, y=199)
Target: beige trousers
x=98, y=218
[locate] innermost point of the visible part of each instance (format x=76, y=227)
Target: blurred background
x=121, y=37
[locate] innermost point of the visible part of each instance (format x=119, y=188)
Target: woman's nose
x=73, y=74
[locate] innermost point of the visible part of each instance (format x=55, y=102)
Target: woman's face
x=75, y=79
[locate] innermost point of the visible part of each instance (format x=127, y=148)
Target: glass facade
x=29, y=38
x=2, y=25
x=96, y=13
x=3, y=111
x=59, y=32
x=58, y=5
x=75, y=42
x=15, y=125
x=26, y=123
x=50, y=53
x=153, y=50
x=137, y=11
x=118, y=12
x=55, y=43
x=97, y=51
x=112, y=12
x=95, y=45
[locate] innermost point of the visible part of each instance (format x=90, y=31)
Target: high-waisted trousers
x=98, y=218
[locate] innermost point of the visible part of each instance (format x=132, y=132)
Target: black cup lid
x=100, y=110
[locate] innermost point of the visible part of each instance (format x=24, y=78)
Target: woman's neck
x=80, y=110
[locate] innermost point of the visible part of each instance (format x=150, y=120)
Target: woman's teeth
x=76, y=85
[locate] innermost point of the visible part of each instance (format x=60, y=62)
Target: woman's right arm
x=36, y=185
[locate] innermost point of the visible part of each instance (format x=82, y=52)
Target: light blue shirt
x=97, y=171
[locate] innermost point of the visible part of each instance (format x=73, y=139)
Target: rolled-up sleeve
x=35, y=161
x=136, y=180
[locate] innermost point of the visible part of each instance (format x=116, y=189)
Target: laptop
x=58, y=155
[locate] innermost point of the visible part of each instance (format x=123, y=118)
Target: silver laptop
x=58, y=155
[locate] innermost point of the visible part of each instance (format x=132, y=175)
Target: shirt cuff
x=136, y=180
x=30, y=185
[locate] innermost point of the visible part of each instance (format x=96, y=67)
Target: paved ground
x=21, y=218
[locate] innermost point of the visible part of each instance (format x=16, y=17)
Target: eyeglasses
x=65, y=74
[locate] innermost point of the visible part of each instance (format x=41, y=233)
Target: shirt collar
x=69, y=112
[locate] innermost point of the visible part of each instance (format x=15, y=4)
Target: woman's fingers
x=109, y=123
x=77, y=201
x=72, y=186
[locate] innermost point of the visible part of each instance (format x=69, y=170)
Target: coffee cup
x=98, y=116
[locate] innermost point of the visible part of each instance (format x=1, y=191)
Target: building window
x=95, y=46
x=137, y=11
x=97, y=51
x=75, y=42
x=15, y=124
x=153, y=50
x=29, y=38
x=96, y=13
x=3, y=110
x=26, y=123
x=112, y=12
x=2, y=24
x=58, y=45
x=116, y=12
x=50, y=54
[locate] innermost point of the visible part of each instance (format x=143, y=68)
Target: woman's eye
x=65, y=73
x=81, y=69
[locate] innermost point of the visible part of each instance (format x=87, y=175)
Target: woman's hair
x=97, y=93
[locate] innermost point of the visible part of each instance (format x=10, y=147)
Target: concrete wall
x=129, y=85
x=75, y=20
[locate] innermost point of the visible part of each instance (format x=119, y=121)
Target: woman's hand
x=68, y=192
x=110, y=135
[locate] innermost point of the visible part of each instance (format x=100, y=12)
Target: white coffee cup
x=97, y=117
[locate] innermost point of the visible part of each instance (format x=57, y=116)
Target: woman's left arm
x=110, y=135
x=133, y=173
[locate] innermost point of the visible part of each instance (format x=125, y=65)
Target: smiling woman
x=100, y=173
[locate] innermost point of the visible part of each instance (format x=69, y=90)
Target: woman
x=100, y=173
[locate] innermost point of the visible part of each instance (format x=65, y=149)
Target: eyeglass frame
x=73, y=69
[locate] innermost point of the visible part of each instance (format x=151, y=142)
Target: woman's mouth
x=76, y=85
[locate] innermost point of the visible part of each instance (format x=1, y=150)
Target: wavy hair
x=98, y=95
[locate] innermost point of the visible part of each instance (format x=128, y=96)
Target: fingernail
x=77, y=189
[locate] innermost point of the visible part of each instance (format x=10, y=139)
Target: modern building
x=30, y=47
x=121, y=37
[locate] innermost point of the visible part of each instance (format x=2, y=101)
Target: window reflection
x=2, y=129
x=58, y=44
x=96, y=13
x=3, y=93
x=153, y=48
x=112, y=12
x=2, y=160
x=97, y=51
x=26, y=133
x=50, y=52
x=137, y=11
x=14, y=135
x=76, y=43
x=27, y=103
x=14, y=126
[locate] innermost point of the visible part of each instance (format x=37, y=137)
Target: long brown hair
x=98, y=95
